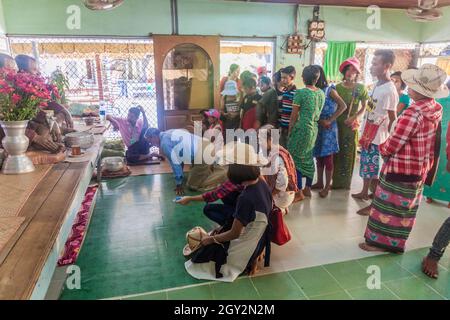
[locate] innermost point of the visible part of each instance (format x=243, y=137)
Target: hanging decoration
x=102, y=4
x=295, y=44
x=316, y=27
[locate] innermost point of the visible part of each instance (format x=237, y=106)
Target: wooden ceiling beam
x=392, y=4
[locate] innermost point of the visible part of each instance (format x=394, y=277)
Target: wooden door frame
x=162, y=44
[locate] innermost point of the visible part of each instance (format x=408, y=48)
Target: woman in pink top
x=130, y=128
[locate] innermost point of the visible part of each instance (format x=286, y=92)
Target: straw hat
x=230, y=88
x=194, y=238
x=240, y=153
x=353, y=61
x=429, y=80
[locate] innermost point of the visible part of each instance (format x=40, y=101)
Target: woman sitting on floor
x=226, y=255
x=139, y=151
x=280, y=173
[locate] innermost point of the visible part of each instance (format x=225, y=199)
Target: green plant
x=22, y=95
x=60, y=81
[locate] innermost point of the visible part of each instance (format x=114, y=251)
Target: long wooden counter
x=49, y=213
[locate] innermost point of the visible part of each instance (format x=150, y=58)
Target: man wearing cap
x=230, y=106
x=410, y=155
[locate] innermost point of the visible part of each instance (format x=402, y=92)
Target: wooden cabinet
x=187, y=78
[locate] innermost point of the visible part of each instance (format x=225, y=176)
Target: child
x=230, y=106
x=248, y=106
x=267, y=110
x=280, y=174
x=289, y=88
x=303, y=126
x=327, y=138
x=404, y=99
x=214, y=132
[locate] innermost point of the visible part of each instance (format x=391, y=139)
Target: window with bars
x=117, y=71
x=404, y=53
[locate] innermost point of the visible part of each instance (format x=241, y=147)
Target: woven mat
x=163, y=167
x=16, y=189
x=125, y=172
x=8, y=227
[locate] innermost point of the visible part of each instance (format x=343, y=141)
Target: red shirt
x=222, y=191
x=249, y=107
x=410, y=148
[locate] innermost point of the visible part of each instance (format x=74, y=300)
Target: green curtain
x=335, y=54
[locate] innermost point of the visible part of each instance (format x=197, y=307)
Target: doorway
x=187, y=78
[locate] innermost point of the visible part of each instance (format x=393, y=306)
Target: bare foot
x=324, y=192
x=317, y=186
x=361, y=196
x=299, y=196
x=364, y=211
x=430, y=267
x=429, y=200
x=370, y=248
x=307, y=192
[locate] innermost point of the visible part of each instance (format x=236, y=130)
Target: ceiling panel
x=401, y=4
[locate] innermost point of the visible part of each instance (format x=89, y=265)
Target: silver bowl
x=83, y=139
x=113, y=164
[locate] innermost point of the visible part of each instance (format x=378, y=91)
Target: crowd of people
x=315, y=130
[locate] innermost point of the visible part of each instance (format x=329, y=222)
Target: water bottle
x=102, y=111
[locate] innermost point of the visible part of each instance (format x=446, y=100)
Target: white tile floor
x=329, y=230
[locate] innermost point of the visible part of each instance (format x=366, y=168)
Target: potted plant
x=22, y=95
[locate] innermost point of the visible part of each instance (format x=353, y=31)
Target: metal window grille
x=364, y=52
x=119, y=72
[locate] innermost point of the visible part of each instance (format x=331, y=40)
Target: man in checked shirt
x=228, y=192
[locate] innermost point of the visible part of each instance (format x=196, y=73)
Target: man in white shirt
x=380, y=115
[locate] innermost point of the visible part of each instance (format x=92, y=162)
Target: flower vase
x=15, y=144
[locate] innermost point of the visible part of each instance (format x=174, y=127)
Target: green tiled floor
x=133, y=250
x=339, y=281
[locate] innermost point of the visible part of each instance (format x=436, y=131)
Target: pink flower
x=16, y=98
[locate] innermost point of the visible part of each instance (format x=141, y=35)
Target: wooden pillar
x=98, y=69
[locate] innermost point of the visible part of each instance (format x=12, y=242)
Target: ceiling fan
x=426, y=10
x=102, y=4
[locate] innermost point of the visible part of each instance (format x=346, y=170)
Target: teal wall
x=211, y=17
x=48, y=17
x=217, y=17
x=437, y=30
x=2, y=19
x=350, y=24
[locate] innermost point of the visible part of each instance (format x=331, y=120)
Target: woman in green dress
x=355, y=96
x=303, y=127
x=440, y=190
